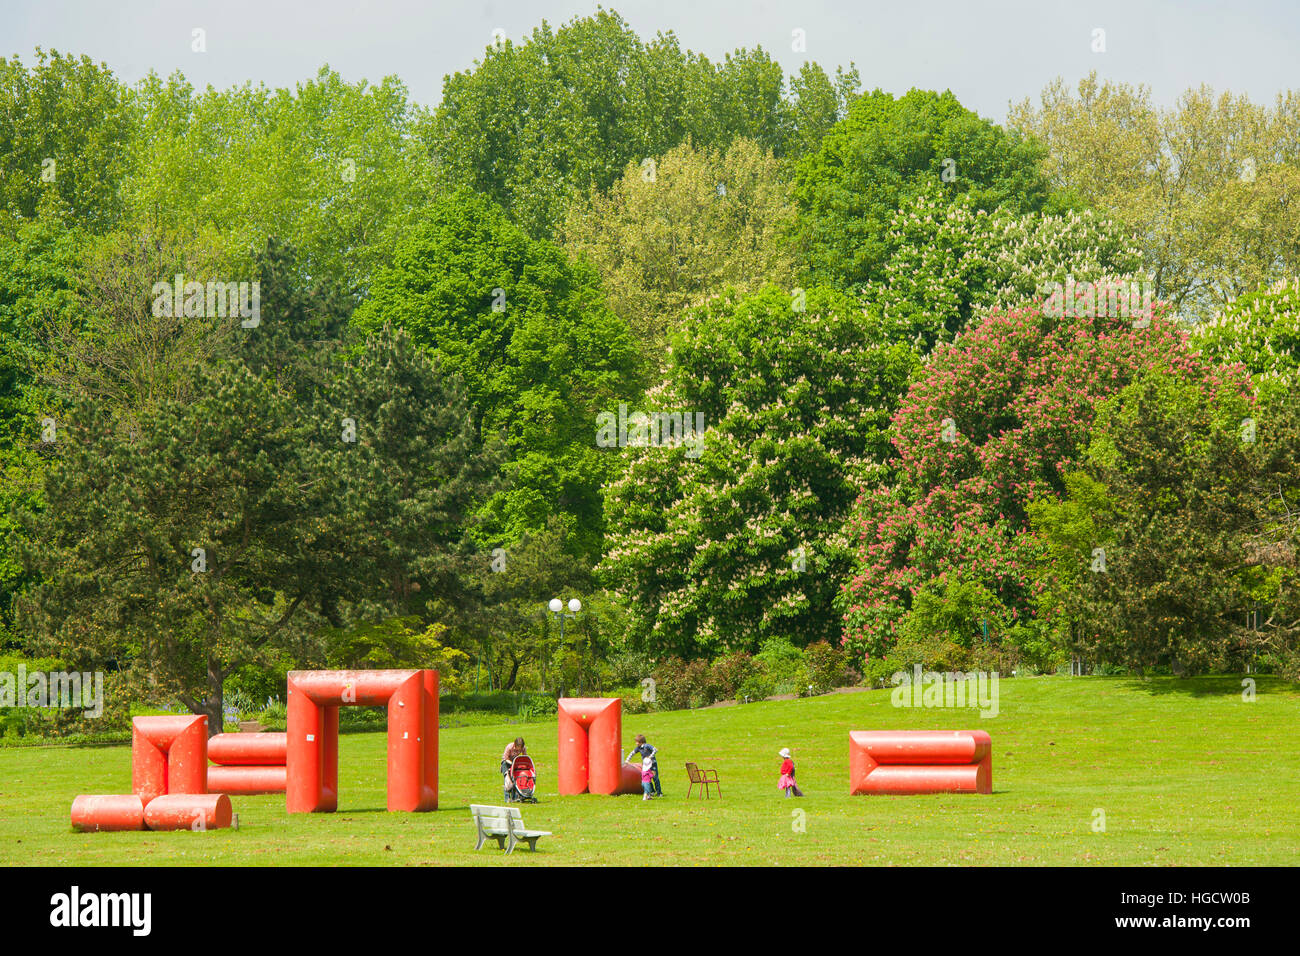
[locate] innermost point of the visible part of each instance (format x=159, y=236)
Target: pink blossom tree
x=992, y=423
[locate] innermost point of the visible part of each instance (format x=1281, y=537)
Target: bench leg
x=532, y=845
x=501, y=841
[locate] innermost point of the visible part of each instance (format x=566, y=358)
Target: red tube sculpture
x=590, y=755
x=920, y=761
x=312, y=754
x=169, y=755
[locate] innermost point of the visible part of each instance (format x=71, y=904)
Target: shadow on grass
x=1218, y=685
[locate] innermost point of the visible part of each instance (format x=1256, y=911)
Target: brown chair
x=703, y=779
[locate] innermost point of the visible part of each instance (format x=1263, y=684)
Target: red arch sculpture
x=920, y=761
x=312, y=755
x=590, y=755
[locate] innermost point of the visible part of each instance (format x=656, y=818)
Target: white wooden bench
x=505, y=825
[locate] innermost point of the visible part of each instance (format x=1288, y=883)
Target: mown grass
x=1185, y=771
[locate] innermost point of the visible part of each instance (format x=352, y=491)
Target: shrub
x=242, y=704
x=783, y=664
x=275, y=714
x=825, y=666
x=537, y=706
x=757, y=686
x=627, y=668
x=632, y=702
x=681, y=684
x=362, y=718
x=496, y=702
x=730, y=672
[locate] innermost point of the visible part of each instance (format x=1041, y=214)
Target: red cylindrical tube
x=247, y=750
x=108, y=812
x=247, y=781
x=188, y=811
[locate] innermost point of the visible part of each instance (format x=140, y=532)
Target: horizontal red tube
x=242, y=750
x=247, y=781
x=188, y=811
x=115, y=812
x=924, y=746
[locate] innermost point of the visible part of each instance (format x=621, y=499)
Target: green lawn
x=1185, y=770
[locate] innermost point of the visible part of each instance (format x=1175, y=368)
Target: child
x=647, y=777
x=646, y=750
x=786, y=782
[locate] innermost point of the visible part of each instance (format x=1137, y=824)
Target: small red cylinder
x=247, y=781
x=188, y=811
x=116, y=812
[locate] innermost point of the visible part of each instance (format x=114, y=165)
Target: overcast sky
x=987, y=53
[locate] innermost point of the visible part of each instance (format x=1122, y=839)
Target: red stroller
x=523, y=780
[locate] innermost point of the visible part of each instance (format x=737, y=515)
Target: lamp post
x=557, y=608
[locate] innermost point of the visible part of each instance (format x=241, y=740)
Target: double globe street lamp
x=557, y=608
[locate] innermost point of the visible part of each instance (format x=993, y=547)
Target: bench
x=695, y=775
x=506, y=826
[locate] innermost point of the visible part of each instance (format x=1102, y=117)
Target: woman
x=512, y=751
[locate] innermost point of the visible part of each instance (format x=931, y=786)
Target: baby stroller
x=523, y=780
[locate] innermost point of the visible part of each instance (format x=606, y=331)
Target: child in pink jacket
x=786, y=782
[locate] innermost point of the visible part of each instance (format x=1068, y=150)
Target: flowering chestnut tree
x=992, y=423
x=723, y=542
x=1261, y=330
x=951, y=261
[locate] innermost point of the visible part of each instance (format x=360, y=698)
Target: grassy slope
x=1186, y=772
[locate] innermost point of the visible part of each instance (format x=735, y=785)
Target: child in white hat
x=786, y=782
